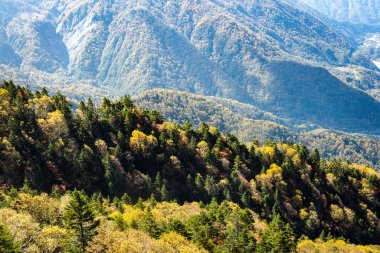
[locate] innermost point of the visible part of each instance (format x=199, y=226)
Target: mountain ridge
x=247, y=122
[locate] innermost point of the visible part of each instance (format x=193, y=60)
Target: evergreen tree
x=277, y=238
x=312, y=223
x=304, y=154
x=149, y=225
x=118, y=204
x=119, y=152
x=44, y=92
x=140, y=204
x=210, y=186
x=108, y=169
x=199, y=181
x=278, y=157
x=315, y=158
x=315, y=162
x=152, y=200
x=239, y=236
x=227, y=194
x=84, y=166
x=158, y=181
x=7, y=244
x=164, y=193
x=177, y=226
x=126, y=199
x=289, y=169
x=237, y=163
x=79, y=216
x=246, y=199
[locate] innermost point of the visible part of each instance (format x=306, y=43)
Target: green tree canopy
x=79, y=216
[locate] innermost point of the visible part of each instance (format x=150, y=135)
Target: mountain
x=358, y=20
x=247, y=122
x=257, y=52
x=129, y=154
x=352, y=11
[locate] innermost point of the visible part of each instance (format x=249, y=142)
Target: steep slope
x=246, y=121
x=118, y=149
x=298, y=91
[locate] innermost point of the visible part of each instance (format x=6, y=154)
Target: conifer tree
x=149, y=225
x=164, y=193
x=126, y=199
x=108, y=169
x=246, y=199
x=79, y=216
x=277, y=238
x=119, y=152
x=7, y=244
x=239, y=238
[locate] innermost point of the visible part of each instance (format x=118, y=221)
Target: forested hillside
x=246, y=121
x=118, y=149
x=269, y=54
x=33, y=222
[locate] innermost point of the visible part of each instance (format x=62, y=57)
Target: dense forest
x=119, y=178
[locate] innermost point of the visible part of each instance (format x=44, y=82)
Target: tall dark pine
x=79, y=216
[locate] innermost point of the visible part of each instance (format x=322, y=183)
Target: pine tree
x=126, y=199
x=118, y=204
x=199, y=181
x=210, y=186
x=164, y=193
x=44, y=92
x=84, y=166
x=140, y=204
x=79, y=216
x=108, y=169
x=177, y=226
x=239, y=237
x=149, y=225
x=152, y=200
x=27, y=189
x=315, y=162
x=227, y=194
x=278, y=157
x=246, y=199
x=289, y=169
x=7, y=244
x=119, y=152
x=158, y=181
x=277, y=238
x=237, y=163
x=304, y=154
x=315, y=159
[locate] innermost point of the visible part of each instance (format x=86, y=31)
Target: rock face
x=354, y=11
x=266, y=53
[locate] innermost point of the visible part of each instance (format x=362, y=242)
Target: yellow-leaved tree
x=142, y=144
x=54, y=126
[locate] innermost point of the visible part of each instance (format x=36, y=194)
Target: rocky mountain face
x=266, y=53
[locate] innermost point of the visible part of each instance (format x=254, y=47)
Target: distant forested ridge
x=247, y=121
x=118, y=149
